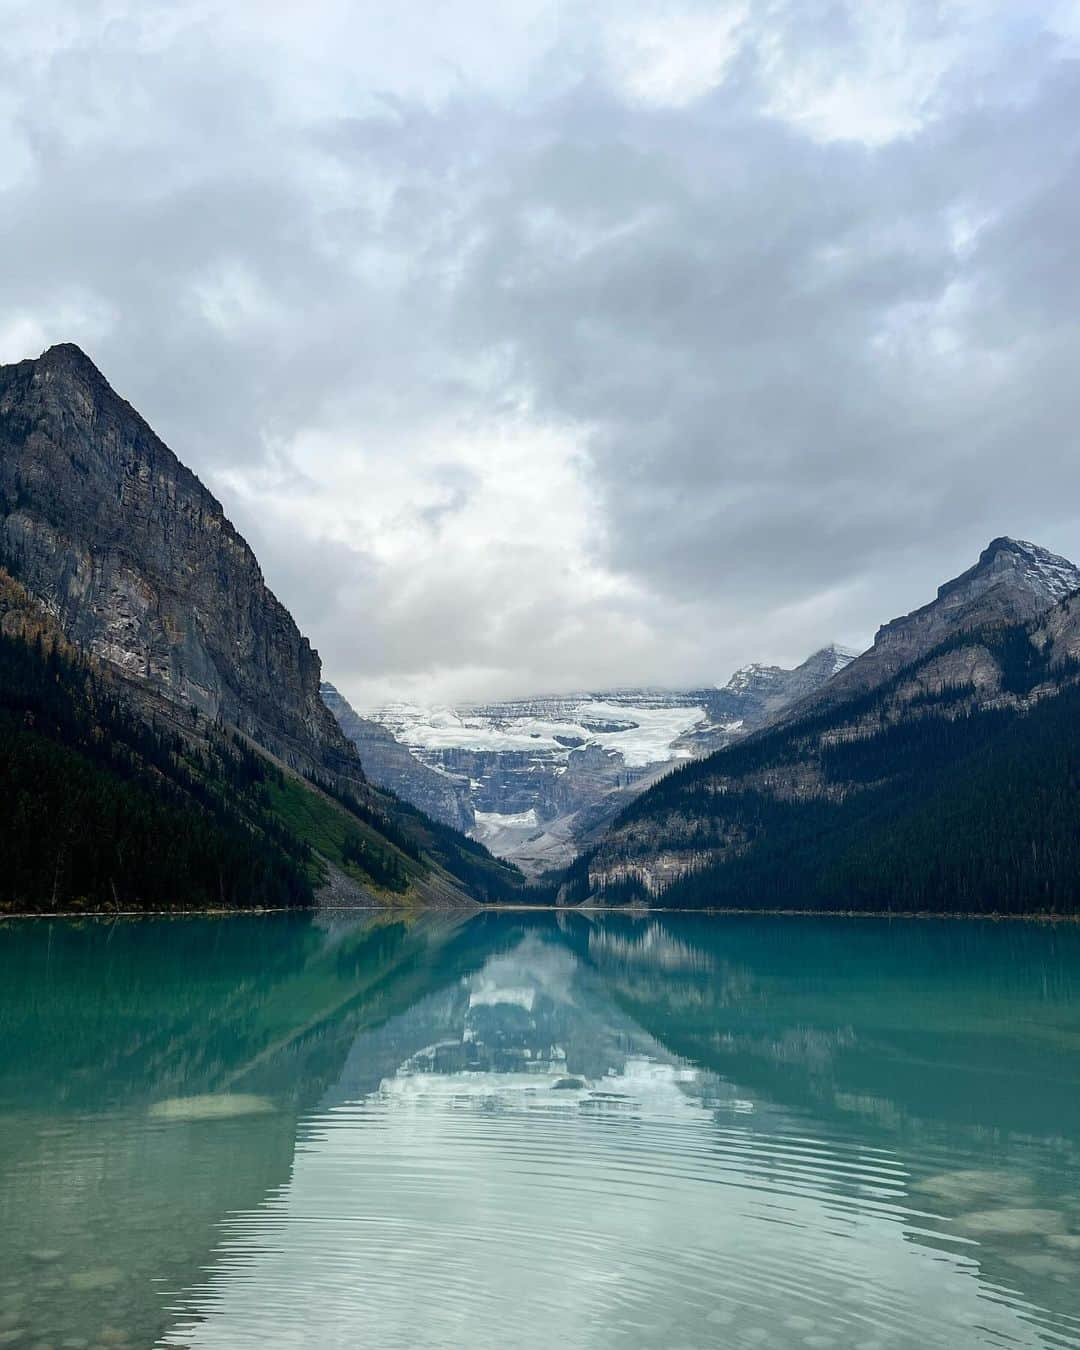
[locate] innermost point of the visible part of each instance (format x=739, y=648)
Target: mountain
x=541, y=773
x=1012, y=582
x=949, y=780
x=133, y=561
x=100, y=807
x=389, y=764
x=756, y=694
x=543, y=776
x=136, y=560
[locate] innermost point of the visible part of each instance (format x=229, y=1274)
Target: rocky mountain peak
x=1013, y=581
x=755, y=677
x=68, y=356
x=65, y=374
x=1019, y=563
x=763, y=681
x=827, y=661
x=137, y=562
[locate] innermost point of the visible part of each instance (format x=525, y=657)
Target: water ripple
x=470, y=1210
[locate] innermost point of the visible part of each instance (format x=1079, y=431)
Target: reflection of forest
x=938, y=1041
x=107, y=1033
x=956, y=1023
x=923, y=1040
x=795, y=1057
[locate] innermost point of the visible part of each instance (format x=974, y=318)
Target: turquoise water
x=539, y=1131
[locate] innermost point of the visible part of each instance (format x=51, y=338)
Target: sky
x=540, y=345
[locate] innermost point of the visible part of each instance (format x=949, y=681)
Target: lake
x=539, y=1130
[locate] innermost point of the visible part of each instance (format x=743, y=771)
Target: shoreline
x=630, y=911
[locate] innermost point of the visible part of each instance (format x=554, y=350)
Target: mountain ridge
x=140, y=565
x=811, y=804
x=1012, y=581
x=134, y=560
x=390, y=764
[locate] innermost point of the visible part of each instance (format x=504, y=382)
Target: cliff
x=137, y=562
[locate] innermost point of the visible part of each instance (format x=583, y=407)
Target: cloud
x=548, y=344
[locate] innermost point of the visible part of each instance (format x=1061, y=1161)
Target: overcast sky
x=547, y=344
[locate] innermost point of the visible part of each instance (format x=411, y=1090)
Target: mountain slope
x=952, y=784
x=1012, y=582
x=389, y=764
x=134, y=560
x=757, y=694
x=103, y=810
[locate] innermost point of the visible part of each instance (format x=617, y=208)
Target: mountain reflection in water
x=537, y=1130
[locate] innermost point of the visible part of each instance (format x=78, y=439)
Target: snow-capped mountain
x=542, y=771
x=543, y=774
x=641, y=725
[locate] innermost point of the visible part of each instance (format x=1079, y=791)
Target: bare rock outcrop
x=138, y=564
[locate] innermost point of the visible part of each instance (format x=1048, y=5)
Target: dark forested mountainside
x=954, y=786
x=107, y=809
x=104, y=810
x=154, y=594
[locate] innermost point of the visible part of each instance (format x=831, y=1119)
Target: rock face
x=545, y=775
x=389, y=764
x=756, y=694
x=1012, y=582
x=135, y=559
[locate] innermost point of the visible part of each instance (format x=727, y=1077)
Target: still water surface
x=510, y=1130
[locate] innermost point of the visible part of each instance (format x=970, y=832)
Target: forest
x=106, y=810
x=953, y=808
x=103, y=809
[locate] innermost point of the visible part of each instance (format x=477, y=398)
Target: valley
x=543, y=776
x=166, y=731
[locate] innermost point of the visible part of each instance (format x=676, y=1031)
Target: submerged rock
x=104, y=1277
x=1042, y=1263
x=970, y=1183
x=211, y=1106
x=721, y=1317
x=1012, y=1222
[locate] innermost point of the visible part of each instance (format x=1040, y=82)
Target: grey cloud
x=752, y=427
x=806, y=377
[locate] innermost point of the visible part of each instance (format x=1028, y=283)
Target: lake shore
x=631, y=911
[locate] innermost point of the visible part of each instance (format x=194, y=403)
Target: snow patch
x=642, y=727
x=491, y=996
x=487, y=822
